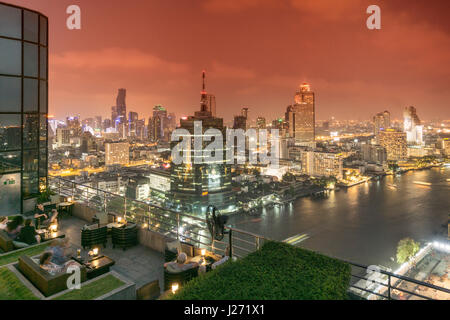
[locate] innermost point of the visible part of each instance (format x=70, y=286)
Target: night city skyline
x=224, y=154
x=256, y=54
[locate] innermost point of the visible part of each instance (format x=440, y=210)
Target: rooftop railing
x=194, y=230
x=171, y=223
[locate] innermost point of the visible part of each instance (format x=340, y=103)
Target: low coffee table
x=96, y=266
x=50, y=236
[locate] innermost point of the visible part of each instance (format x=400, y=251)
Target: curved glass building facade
x=23, y=107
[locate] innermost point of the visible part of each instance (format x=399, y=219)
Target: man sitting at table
x=53, y=268
x=43, y=219
x=180, y=264
x=58, y=249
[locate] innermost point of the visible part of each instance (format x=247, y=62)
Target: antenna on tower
x=204, y=80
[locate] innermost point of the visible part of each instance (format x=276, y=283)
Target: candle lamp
x=95, y=252
x=174, y=288
x=54, y=227
x=203, y=252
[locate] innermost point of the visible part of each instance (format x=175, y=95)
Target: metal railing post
x=230, y=243
x=104, y=202
x=389, y=287
x=257, y=243
x=73, y=191
x=178, y=226
x=125, y=206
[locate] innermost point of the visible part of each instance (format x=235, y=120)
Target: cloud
x=114, y=58
x=239, y=5
x=221, y=70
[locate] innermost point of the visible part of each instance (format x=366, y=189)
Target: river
x=364, y=223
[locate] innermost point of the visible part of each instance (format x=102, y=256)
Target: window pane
x=30, y=131
x=43, y=39
x=43, y=163
x=30, y=26
x=10, y=125
x=30, y=60
x=10, y=162
x=43, y=131
x=43, y=97
x=10, y=57
x=43, y=58
x=10, y=22
x=10, y=92
x=30, y=95
x=30, y=182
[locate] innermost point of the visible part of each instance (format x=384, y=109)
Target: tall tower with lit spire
x=194, y=186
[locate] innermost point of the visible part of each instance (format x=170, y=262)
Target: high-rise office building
x=194, y=186
x=133, y=117
x=240, y=122
x=211, y=103
x=117, y=153
x=395, y=144
x=23, y=107
x=381, y=121
x=321, y=164
x=261, y=123
x=304, y=115
x=244, y=112
x=159, y=124
x=412, y=126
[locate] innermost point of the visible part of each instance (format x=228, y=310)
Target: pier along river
x=363, y=223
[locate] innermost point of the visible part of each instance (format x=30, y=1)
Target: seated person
x=180, y=264
x=53, y=268
x=3, y=222
x=13, y=227
x=43, y=219
x=28, y=234
x=224, y=259
x=58, y=250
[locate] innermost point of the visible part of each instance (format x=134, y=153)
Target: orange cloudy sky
x=256, y=53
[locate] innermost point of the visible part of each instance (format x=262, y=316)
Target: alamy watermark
x=262, y=146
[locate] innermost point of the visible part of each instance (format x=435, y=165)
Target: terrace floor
x=139, y=264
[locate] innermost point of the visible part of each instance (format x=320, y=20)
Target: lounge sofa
x=6, y=243
x=178, y=277
x=46, y=283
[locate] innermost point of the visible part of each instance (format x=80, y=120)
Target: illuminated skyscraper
x=395, y=144
x=117, y=153
x=194, y=186
x=301, y=116
x=381, y=121
x=412, y=126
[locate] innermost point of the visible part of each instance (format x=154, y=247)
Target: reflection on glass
x=10, y=22
x=43, y=96
x=43, y=62
x=30, y=184
x=30, y=130
x=30, y=26
x=10, y=92
x=30, y=95
x=30, y=60
x=10, y=131
x=43, y=131
x=43, y=39
x=10, y=162
x=10, y=57
x=10, y=193
x=43, y=163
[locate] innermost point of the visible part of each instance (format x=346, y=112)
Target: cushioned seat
x=46, y=283
x=94, y=235
x=6, y=243
x=178, y=277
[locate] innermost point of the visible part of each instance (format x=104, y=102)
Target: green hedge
x=13, y=256
x=278, y=271
x=11, y=288
x=93, y=290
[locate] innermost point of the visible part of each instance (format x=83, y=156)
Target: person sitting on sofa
x=180, y=264
x=43, y=219
x=58, y=248
x=3, y=222
x=13, y=227
x=53, y=268
x=28, y=234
